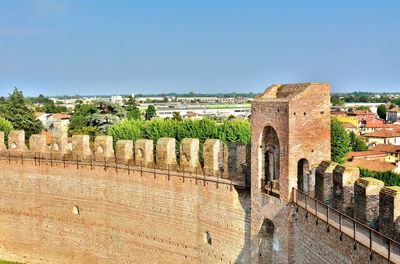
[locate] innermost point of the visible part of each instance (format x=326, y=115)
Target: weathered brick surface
x=119, y=217
x=366, y=200
x=189, y=155
x=144, y=153
x=16, y=142
x=166, y=154
x=37, y=143
x=2, y=145
x=344, y=178
x=213, y=157
x=124, y=151
x=389, y=211
x=313, y=244
x=59, y=145
x=103, y=148
x=81, y=147
x=324, y=181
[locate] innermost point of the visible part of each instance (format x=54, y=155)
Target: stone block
x=189, y=155
x=103, y=148
x=366, y=200
x=2, y=145
x=166, y=154
x=16, y=142
x=324, y=181
x=81, y=147
x=234, y=161
x=124, y=151
x=59, y=145
x=389, y=210
x=213, y=157
x=37, y=144
x=144, y=153
x=344, y=178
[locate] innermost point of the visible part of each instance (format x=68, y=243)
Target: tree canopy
x=382, y=111
x=150, y=112
x=340, y=141
x=16, y=110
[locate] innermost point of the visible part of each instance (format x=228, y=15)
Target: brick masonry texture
x=122, y=218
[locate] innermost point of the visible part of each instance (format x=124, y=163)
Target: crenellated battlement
x=365, y=199
x=219, y=161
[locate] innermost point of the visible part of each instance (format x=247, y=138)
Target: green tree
x=357, y=143
x=150, y=112
x=340, y=141
x=176, y=116
x=392, y=106
x=133, y=112
x=382, y=111
x=16, y=110
x=5, y=126
x=107, y=115
x=364, y=108
x=79, y=119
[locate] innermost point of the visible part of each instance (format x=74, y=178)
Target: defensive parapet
x=364, y=199
x=140, y=153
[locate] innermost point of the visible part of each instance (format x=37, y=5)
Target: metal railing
x=198, y=175
x=359, y=232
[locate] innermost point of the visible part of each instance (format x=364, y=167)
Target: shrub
x=390, y=178
x=5, y=126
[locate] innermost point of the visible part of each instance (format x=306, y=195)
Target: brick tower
x=290, y=135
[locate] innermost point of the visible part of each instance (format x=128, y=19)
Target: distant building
x=117, y=99
x=42, y=117
x=383, y=136
x=58, y=123
x=393, y=115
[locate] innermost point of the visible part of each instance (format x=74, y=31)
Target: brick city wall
x=87, y=210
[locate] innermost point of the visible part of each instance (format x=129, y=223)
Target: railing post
x=168, y=172
x=91, y=162
x=204, y=178
x=51, y=159
x=305, y=201
x=105, y=164
x=232, y=182
x=340, y=227
x=22, y=158
x=389, y=249
x=129, y=170
x=196, y=176
x=316, y=212
x=183, y=174
x=354, y=234
x=64, y=160
x=217, y=181
x=370, y=244
x=9, y=157
x=327, y=219
x=141, y=169
x=77, y=162
x=35, y=158
x=154, y=170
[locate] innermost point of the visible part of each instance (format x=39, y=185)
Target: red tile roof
x=384, y=133
x=386, y=148
x=348, y=125
x=372, y=165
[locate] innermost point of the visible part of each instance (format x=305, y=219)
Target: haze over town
x=69, y=47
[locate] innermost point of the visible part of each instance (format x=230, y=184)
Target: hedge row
x=390, y=178
x=227, y=131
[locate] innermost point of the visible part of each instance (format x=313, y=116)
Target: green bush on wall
x=390, y=178
x=227, y=131
x=5, y=126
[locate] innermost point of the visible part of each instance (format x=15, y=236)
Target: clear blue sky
x=113, y=47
